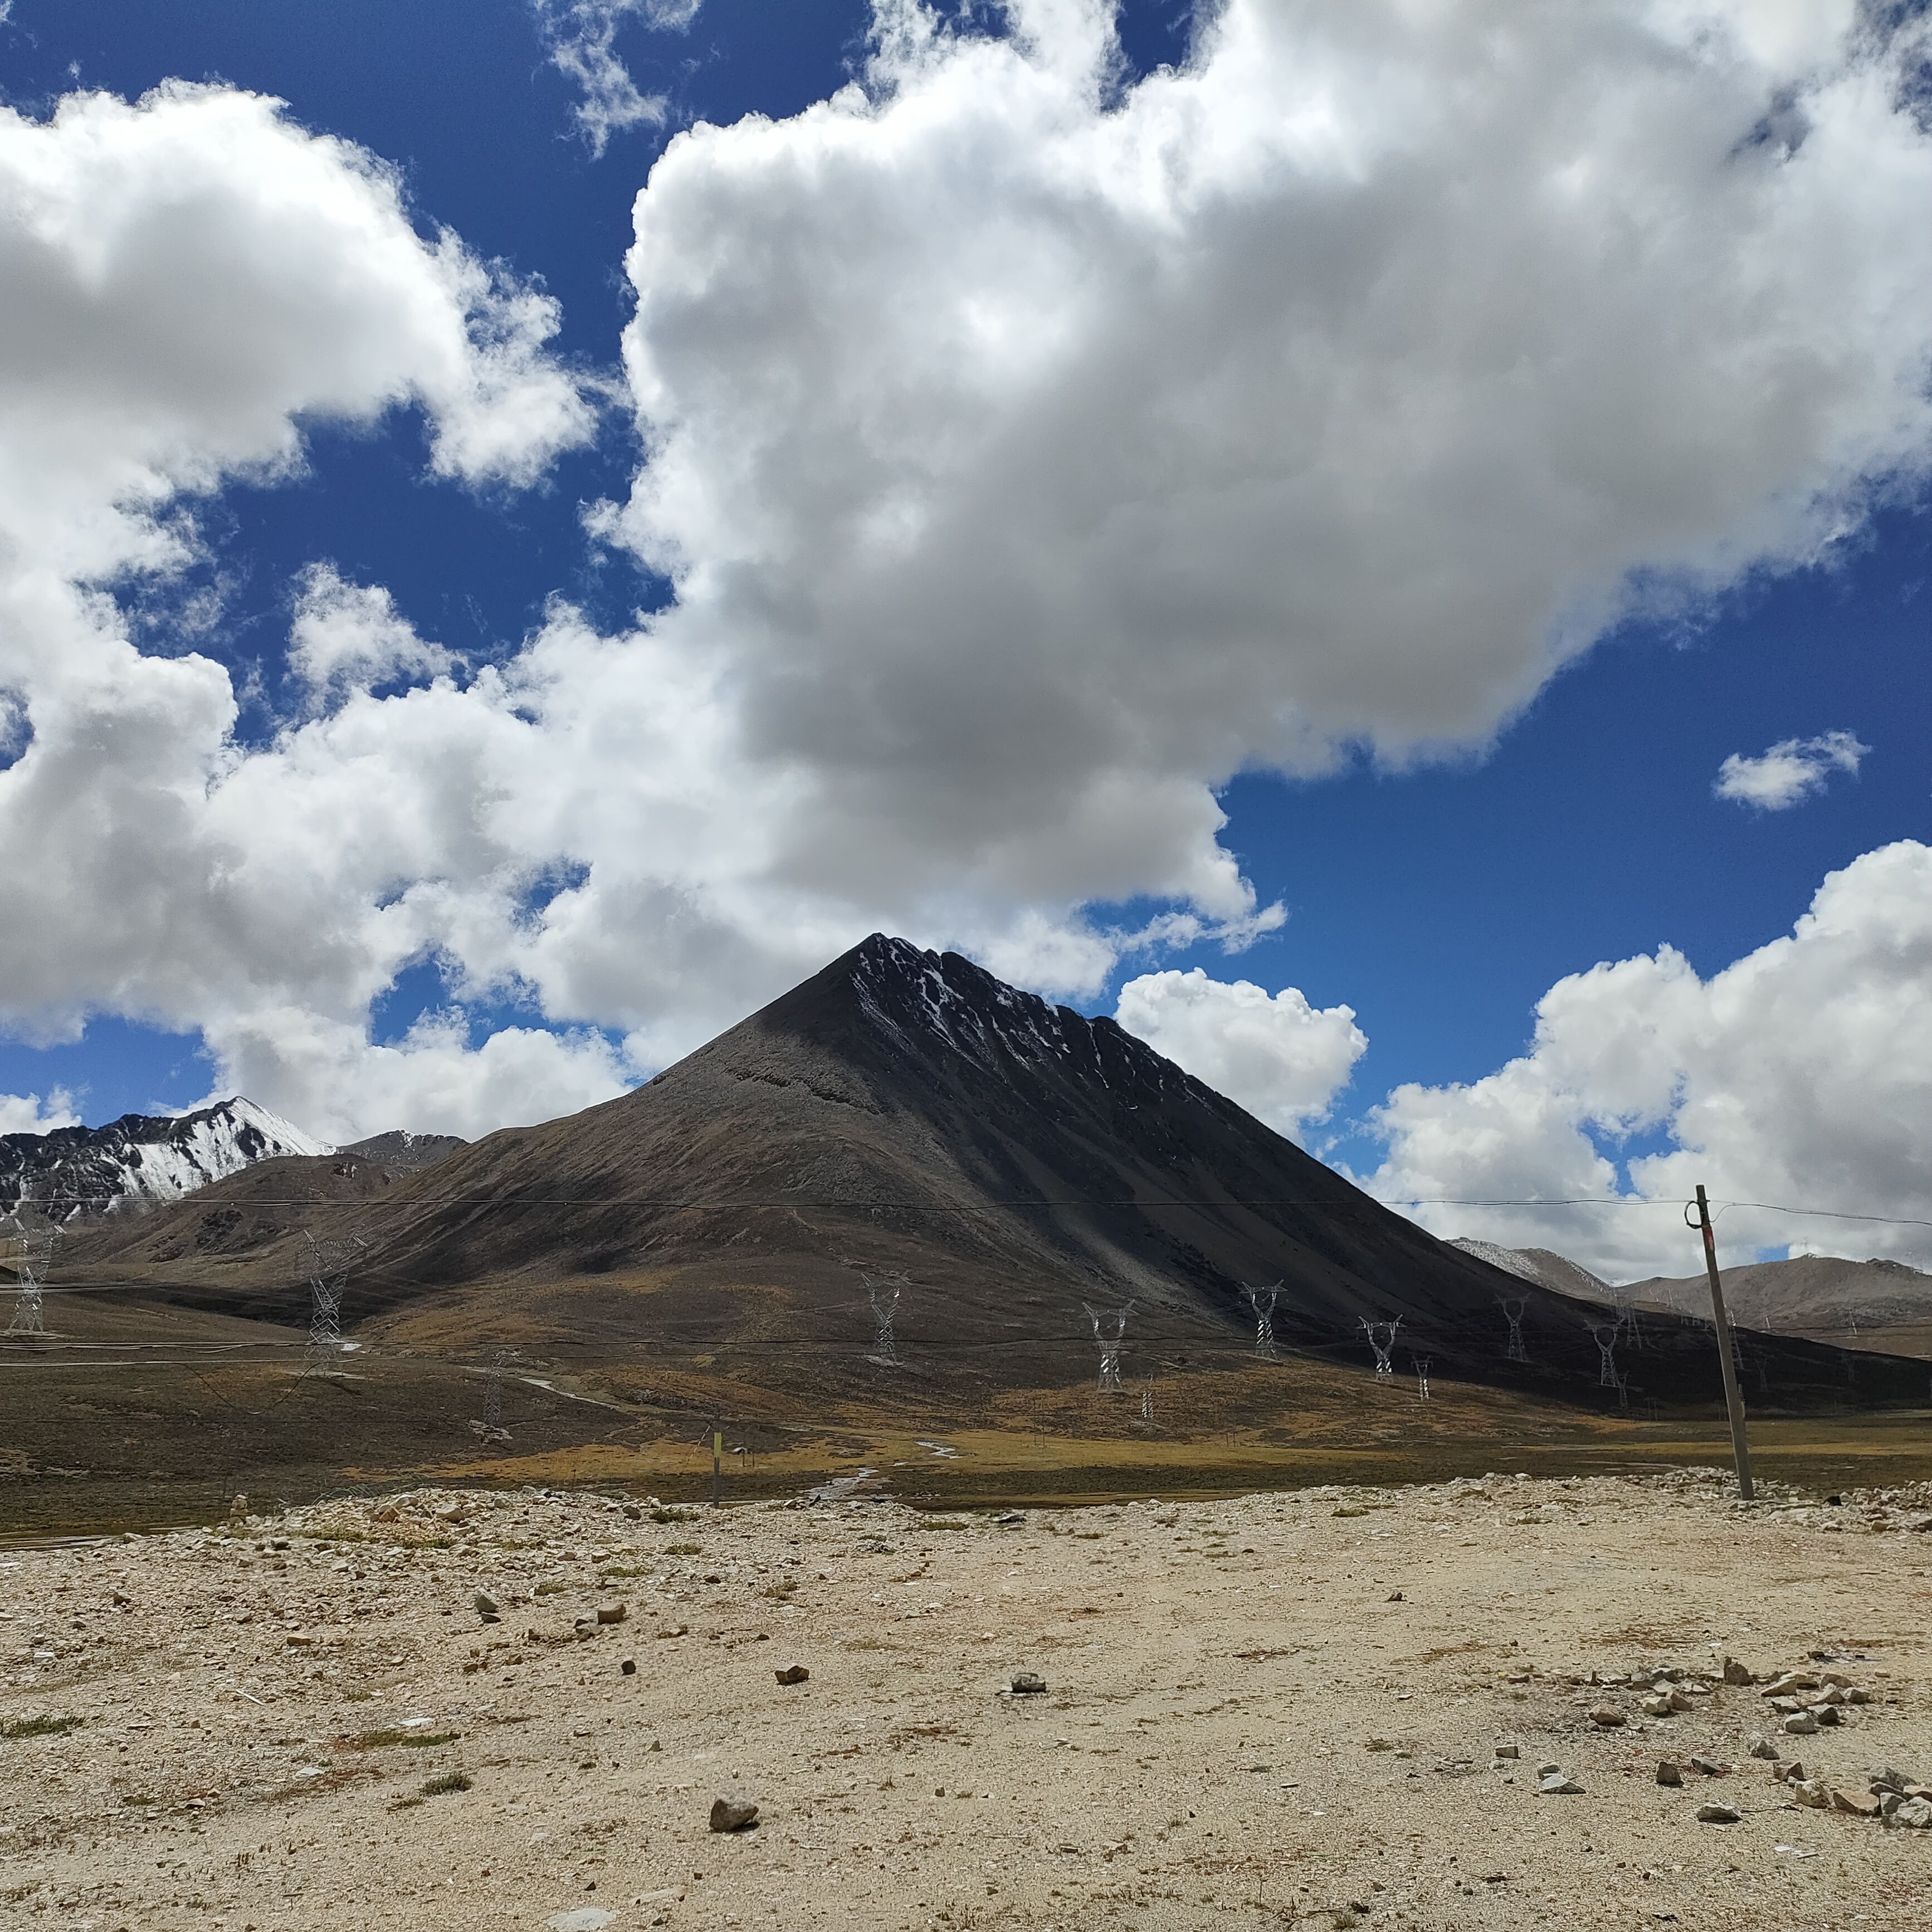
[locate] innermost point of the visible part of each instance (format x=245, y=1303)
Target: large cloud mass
x=1029, y=451
x=1800, y=1076
x=183, y=282
x=1041, y=447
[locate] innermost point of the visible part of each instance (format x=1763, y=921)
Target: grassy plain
x=136, y=1414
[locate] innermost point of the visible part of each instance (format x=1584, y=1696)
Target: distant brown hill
x=903, y=1114
x=1874, y=1304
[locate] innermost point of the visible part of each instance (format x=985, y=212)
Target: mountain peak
x=143, y=1159
x=903, y=1114
x=918, y=996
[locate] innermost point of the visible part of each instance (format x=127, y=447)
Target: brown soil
x=1259, y=1711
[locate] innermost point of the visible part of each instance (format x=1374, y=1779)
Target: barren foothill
x=1277, y=1708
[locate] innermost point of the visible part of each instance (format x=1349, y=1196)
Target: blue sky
x=1443, y=857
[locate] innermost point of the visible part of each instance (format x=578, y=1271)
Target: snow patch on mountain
x=1543, y=1266
x=142, y=1160
x=916, y=995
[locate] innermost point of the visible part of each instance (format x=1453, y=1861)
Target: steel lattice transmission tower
x=1513, y=1306
x=1381, y=1338
x=883, y=1292
x=1262, y=1301
x=1109, y=1344
x=34, y=1249
x=489, y=1426
x=1422, y=1365
x=328, y=1263
x=1605, y=1335
x=1624, y=1299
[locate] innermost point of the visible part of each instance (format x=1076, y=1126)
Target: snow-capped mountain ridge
x=142, y=1160
x=910, y=992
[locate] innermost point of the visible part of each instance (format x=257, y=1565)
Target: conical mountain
x=905, y=1114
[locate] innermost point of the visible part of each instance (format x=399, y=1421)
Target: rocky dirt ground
x=1286, y=1708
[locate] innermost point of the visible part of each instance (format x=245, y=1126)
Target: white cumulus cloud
x=183, y=282
x=349, y=637
x=1029, y=452
x=27, y=1113
x=1789, y=772
x=432, y=1078
x=1039, y=446
x=1282, y=1059
x=1800, y=1076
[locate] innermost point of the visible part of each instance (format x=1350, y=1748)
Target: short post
x=717, y=1460
x=1734, y=1401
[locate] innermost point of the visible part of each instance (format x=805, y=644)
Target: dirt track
x=254, y=1724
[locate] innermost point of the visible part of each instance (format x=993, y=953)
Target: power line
x=678, y=1205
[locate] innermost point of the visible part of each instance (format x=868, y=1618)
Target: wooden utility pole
x=1733, y=1401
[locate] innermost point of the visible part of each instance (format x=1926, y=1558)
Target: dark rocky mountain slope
x=905, y=1114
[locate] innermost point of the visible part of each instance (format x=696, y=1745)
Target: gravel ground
x=1278, y=1709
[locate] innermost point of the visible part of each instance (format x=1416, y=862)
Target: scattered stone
x=629, y=1666
x=612, y=1613
x=1558, y=1784
x=1508, y=1750
x=1787, y=1769
x=1801, y=1724
x=1717, y=1814
x=1761, y=1747
x=1606, y=1717
x=1913, y=1813
x=1712, y=1767
x=1792, y=1680
x=727, y=1816
x=1026, y=1684
x=1381, y=1744
x=1824, y=1714
x=1856, y=1802
x=1395, y=1596
x=1734, y=1673
x=1886, y=1779
x=634, y=1512
x=1857, y=1694
x=487, y=1607
x=1009, y=1519
x=1812, y=1791
x=1669, y=1773
x=793, y=1673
